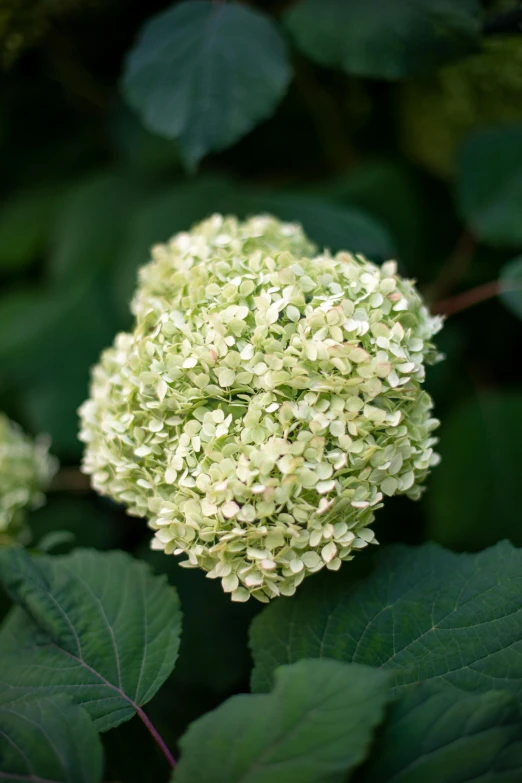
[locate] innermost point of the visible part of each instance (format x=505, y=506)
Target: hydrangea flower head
x=25, y=471
x=267, y=400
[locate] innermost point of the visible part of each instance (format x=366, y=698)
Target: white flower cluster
x=25, y=472
x=265, y=402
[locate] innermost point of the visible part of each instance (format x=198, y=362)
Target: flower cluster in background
x=267, y=400
x=26, y=468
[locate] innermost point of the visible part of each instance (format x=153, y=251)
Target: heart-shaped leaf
x=424, y=613
x=389, y=39
x=315, y=727
x=103, y=629
x=206, y=73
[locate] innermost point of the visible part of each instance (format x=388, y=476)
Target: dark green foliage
x=423, y=614
x=105, y=630
x=315, y=726
x=48, y=738
x=405, y=666
x=182, y=80
x=434, y=735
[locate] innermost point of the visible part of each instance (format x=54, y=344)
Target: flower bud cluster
x=265, y=403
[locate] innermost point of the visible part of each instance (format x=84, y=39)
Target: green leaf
x=511, y=286
x=102, y=627
x=328, y=224
x=368, y=188
x=387, y=39
x=476, y=492
x=26, y=223
x=315, y=727
x=206, y=73
x=489, y=185
x=48, y=740
x=424, y=613
x=435, y=735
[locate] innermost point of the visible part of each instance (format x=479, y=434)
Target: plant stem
x=157, y=737
x=70, y=480
x=455, y=304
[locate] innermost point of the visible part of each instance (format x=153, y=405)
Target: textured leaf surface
x=100, y=625
x=314, y=727
x=490, y=185
x=48, y=740
x=424, y=613
x=476, y=493
x=385, y=38
x=206, y=73
x=435, y=735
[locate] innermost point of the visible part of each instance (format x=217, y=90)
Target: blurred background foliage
x=389, y=128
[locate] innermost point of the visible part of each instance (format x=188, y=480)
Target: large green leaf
x=424, y=614
x=511, y=286
x=384, y=38
x=434, y=735
x=206, y=73
x=476, y=492
x=48, y=740
x=489, y=185
x=315, y=727
x=100, y=625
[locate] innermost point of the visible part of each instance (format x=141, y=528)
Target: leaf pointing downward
x=97, y=626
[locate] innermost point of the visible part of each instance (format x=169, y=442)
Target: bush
x=268, y=210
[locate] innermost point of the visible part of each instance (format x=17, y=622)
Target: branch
x=510, y=22
x=157, y=737
x=455, y=304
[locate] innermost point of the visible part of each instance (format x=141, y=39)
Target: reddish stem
x=455, y=304
x=157, y=737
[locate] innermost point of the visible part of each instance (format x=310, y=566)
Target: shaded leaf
x=476, y=492
x=390, y=194
x=206, y=73
x=48, y=739
x=424, y=613
x=434, y=735
x=328, y=224
x=489, y=185
x=315, y=727
x=389, y=39
x=105, y=630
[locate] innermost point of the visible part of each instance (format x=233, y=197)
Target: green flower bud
x=25, y=472
x=265, y=403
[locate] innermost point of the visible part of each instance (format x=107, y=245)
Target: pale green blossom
x=25, y=472
x=265, y=403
